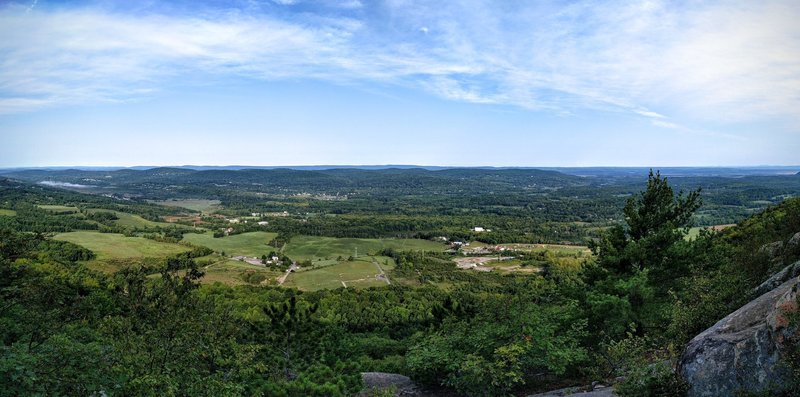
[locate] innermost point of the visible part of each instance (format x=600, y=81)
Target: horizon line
x=120, y=167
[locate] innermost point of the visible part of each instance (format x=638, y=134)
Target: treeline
x=26, y=200
x=454, y=228
x=33, y=219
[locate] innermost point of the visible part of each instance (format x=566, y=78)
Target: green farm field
x=5, y=212
x=511, y=266
x=112, y=246
x=201, y=205
x=233, y=272
x=695, y=231
x=302, y=248
x=557, y=248
x=246, y=244
x=360, y=273
x=59, y=208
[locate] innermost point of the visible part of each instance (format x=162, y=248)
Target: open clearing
x=360, y=273
x=245, y=244
x=112, y=246
x=510, y=266
x=4, y=212
x=695, y=231
x=233, y=272
x=205, y=206
x=117, y=246
x=303, y=248
x=59, y=208
x=480, y=262
x=557, y=248
x=503, y=264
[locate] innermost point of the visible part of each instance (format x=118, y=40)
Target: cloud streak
x=721, y=62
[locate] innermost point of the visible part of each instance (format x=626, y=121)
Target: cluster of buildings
x=237, y=220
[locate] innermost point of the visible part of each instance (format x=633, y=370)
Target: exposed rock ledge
x=742, y=351
x=403, y=386
x=600, y=391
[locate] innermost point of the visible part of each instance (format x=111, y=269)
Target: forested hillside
x=520, y=205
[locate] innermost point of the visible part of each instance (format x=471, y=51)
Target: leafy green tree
x=287, y=320
x=509, y=342
x=638, y=263
x=169, y=341
x=656, y=220
x=49, y=344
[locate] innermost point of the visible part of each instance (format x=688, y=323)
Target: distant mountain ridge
x=594, y=171
x=255, y=179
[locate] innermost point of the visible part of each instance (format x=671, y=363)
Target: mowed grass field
x=59, y=208
x=201, y=205
x=511, y=266
x=557, y=248
x=5, y=212
x=246, y=244
x=312, y=248
x=360, y=273
x=233, y=272
x=111, y=246
x=695, y=231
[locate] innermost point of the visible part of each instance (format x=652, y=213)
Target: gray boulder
x=778, y=278
x=742, y=351
x=608, y=392
x=380, y=381
x=771, y=250
x=794, y=241
x=595, y=390
x=793, y=245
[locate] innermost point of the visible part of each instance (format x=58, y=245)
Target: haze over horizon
x=477, y=83
x=147, y=166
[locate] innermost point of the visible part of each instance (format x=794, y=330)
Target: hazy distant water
x=65, y=184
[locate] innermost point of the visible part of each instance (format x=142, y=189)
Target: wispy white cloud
x=657, y=60
x=285, y=2
x=33, y=4
x=665, y=124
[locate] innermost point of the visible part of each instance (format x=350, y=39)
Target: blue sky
x=293, y=82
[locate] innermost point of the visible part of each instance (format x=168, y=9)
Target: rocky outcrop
x=794, y=241
x=742, y=352
x=601, y=391
x=778, y=278
x=378, y=383
x=782, y=252
x=771, y=250
x=793, y=245
x=381, y=381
